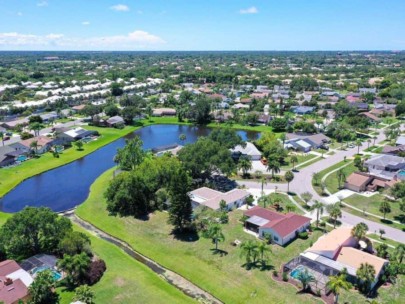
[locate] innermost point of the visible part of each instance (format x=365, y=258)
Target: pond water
x=68, y=186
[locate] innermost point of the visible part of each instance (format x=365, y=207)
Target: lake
x=68, y=186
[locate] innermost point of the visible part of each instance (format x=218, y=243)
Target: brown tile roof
x=358, y=179
x=264, y=213
x=371, y=116
x=332, y=241
x=354, y=258
x=7, y=267
x=42, y=141
x=16, y=290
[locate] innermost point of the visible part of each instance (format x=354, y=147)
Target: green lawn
x=194, y=259
x=11, y=177
x=384, y=239
x=127, y=279
x=326, y=171
x=372, y=205
x=4, y=217
x=331, y=181
x=301, y=158
x=283, y=201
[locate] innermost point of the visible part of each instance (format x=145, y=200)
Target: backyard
x=219, y=275
x=283, y=201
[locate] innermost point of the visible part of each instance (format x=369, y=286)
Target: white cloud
x=86, y=23
x=42, y=3
x=120, y=8
x=250, y=10
x=134, y=40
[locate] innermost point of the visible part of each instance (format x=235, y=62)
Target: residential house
x=373, y=118
x=362, y=181
x=10, y=125
x=360, y=106
x=49, y=117
x=78, y=108
x=385, y=165
x=211, y=198
x=367, y=90
x=240, y=106
x=7, y=155
x=14, y=283
x=305, y=142
x=394, y=150
x=115, y=121
x=164, y=112
x=283, y=227
x=44, y=144
x=302, y=110
x=249, y=150
x=68, y=136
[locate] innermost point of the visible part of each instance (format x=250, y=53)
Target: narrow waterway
x=65, y=187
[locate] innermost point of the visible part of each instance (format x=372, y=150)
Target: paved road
x=303, y=183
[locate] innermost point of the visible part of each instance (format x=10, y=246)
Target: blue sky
x=202, y=25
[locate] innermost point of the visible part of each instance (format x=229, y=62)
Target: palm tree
x=374, y=139
x=359, y=231
x=265, y=200
x=36, y=127
x=319, y=207
x=336, y=283
x=263, y=181
x=289, y=176
x=305, y=277
x=34, y=145
x=341, y=177
x=183, y=138
x=2, y=137
x=293, y=160
x=245, y=164
x=365, y=275
x=368, y=143
x=214, y=232
x=249, y=251
x=306, y=196
x=334, y=212
x=358, y=144
x=316, y=176
x=399, y=253
x=273, y=165
x=263, y=250
x=385, y=207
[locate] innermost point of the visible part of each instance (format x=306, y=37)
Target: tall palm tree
x=374, y=139
x=36, y=127
x=245, y=164
x=368, y=143
x=341, y=177
x=273, y=165
x=335, y=212
x=214, y=232
x=249, y=251
x=263, y=181
x=293, y=160
x=359, y=231
x=385, y=207
x=305, y=277
x=263, y=251
x=289, y=176
x=365, y=275
x=336, y=284
x=34, y=145
x=320, y=208
x=358, y=144
x=399, y=253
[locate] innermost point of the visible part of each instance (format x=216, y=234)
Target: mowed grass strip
x=11, y=177
x=222, y=276
x=127, y=280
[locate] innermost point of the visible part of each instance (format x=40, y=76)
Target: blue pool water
x=296, y=271
x=56, y=275
x=21, y=158
x=401, y=173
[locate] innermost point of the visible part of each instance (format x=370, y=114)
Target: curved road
x=303, y=183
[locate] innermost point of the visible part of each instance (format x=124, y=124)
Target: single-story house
x=211, y=198
x=393, y=150
x=115, y=121
x=371, y=117
x=9, y=125
x=78, y=108
x=361, y=181
x=353, y=258
x=360, y=106
x=305, y=142
x=44, y=144
x=164, y=112
x=283, y=227
x=367, y=90
x=7, y=156
x=385, y=165
x=240, y=106
x=48, y=117
x=302, y=110
x=68, y=136
x=249, y=150
x=14, y=283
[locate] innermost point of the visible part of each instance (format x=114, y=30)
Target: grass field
x=331, y=181
x=372, y=205
x=11, y=177
x=301, y=158
x=326, y=171
x=126, y=280
x=283, y=201
x=222, y=276
x=4, y=217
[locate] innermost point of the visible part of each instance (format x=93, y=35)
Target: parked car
x=6, y=138
x=324, y=147
x=351, y=146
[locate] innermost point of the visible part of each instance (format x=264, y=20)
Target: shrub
x=275, y=273
x=303, y=235
x=318, y=292
x=285, y=276
x=95, y=272
x=322, y=224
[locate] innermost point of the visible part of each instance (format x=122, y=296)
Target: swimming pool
x=56, y=275
x=296, y=271
x=21, y=158
x=401, y=174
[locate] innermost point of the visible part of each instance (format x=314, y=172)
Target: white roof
x=22, y=275
x=75, y=132
x=328, y=262
x=303, y=143
x=249, y=150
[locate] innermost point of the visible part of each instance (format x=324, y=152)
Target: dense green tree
x=116, y=89
x=303, y=84
x=74, y=242
x=129, y=157
x=400, y=108
x=273, y=165
x=385, y=207
x=76, y=267
x=226, y=137
x=129, y=114
x=84, y=294
x=35, y=118
x=42, y=290
x=359, y=231
x=32, y=231
x=279, y=124
x=398, y=190
x=244, y=164
x=249, y=251
x=111, y=110
x=365, y=276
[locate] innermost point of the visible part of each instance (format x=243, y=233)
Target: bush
x=95, y=272
x=285, y=276
x=322, y=224
x=275, y=273
x=318, y=293
x=303, y=235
